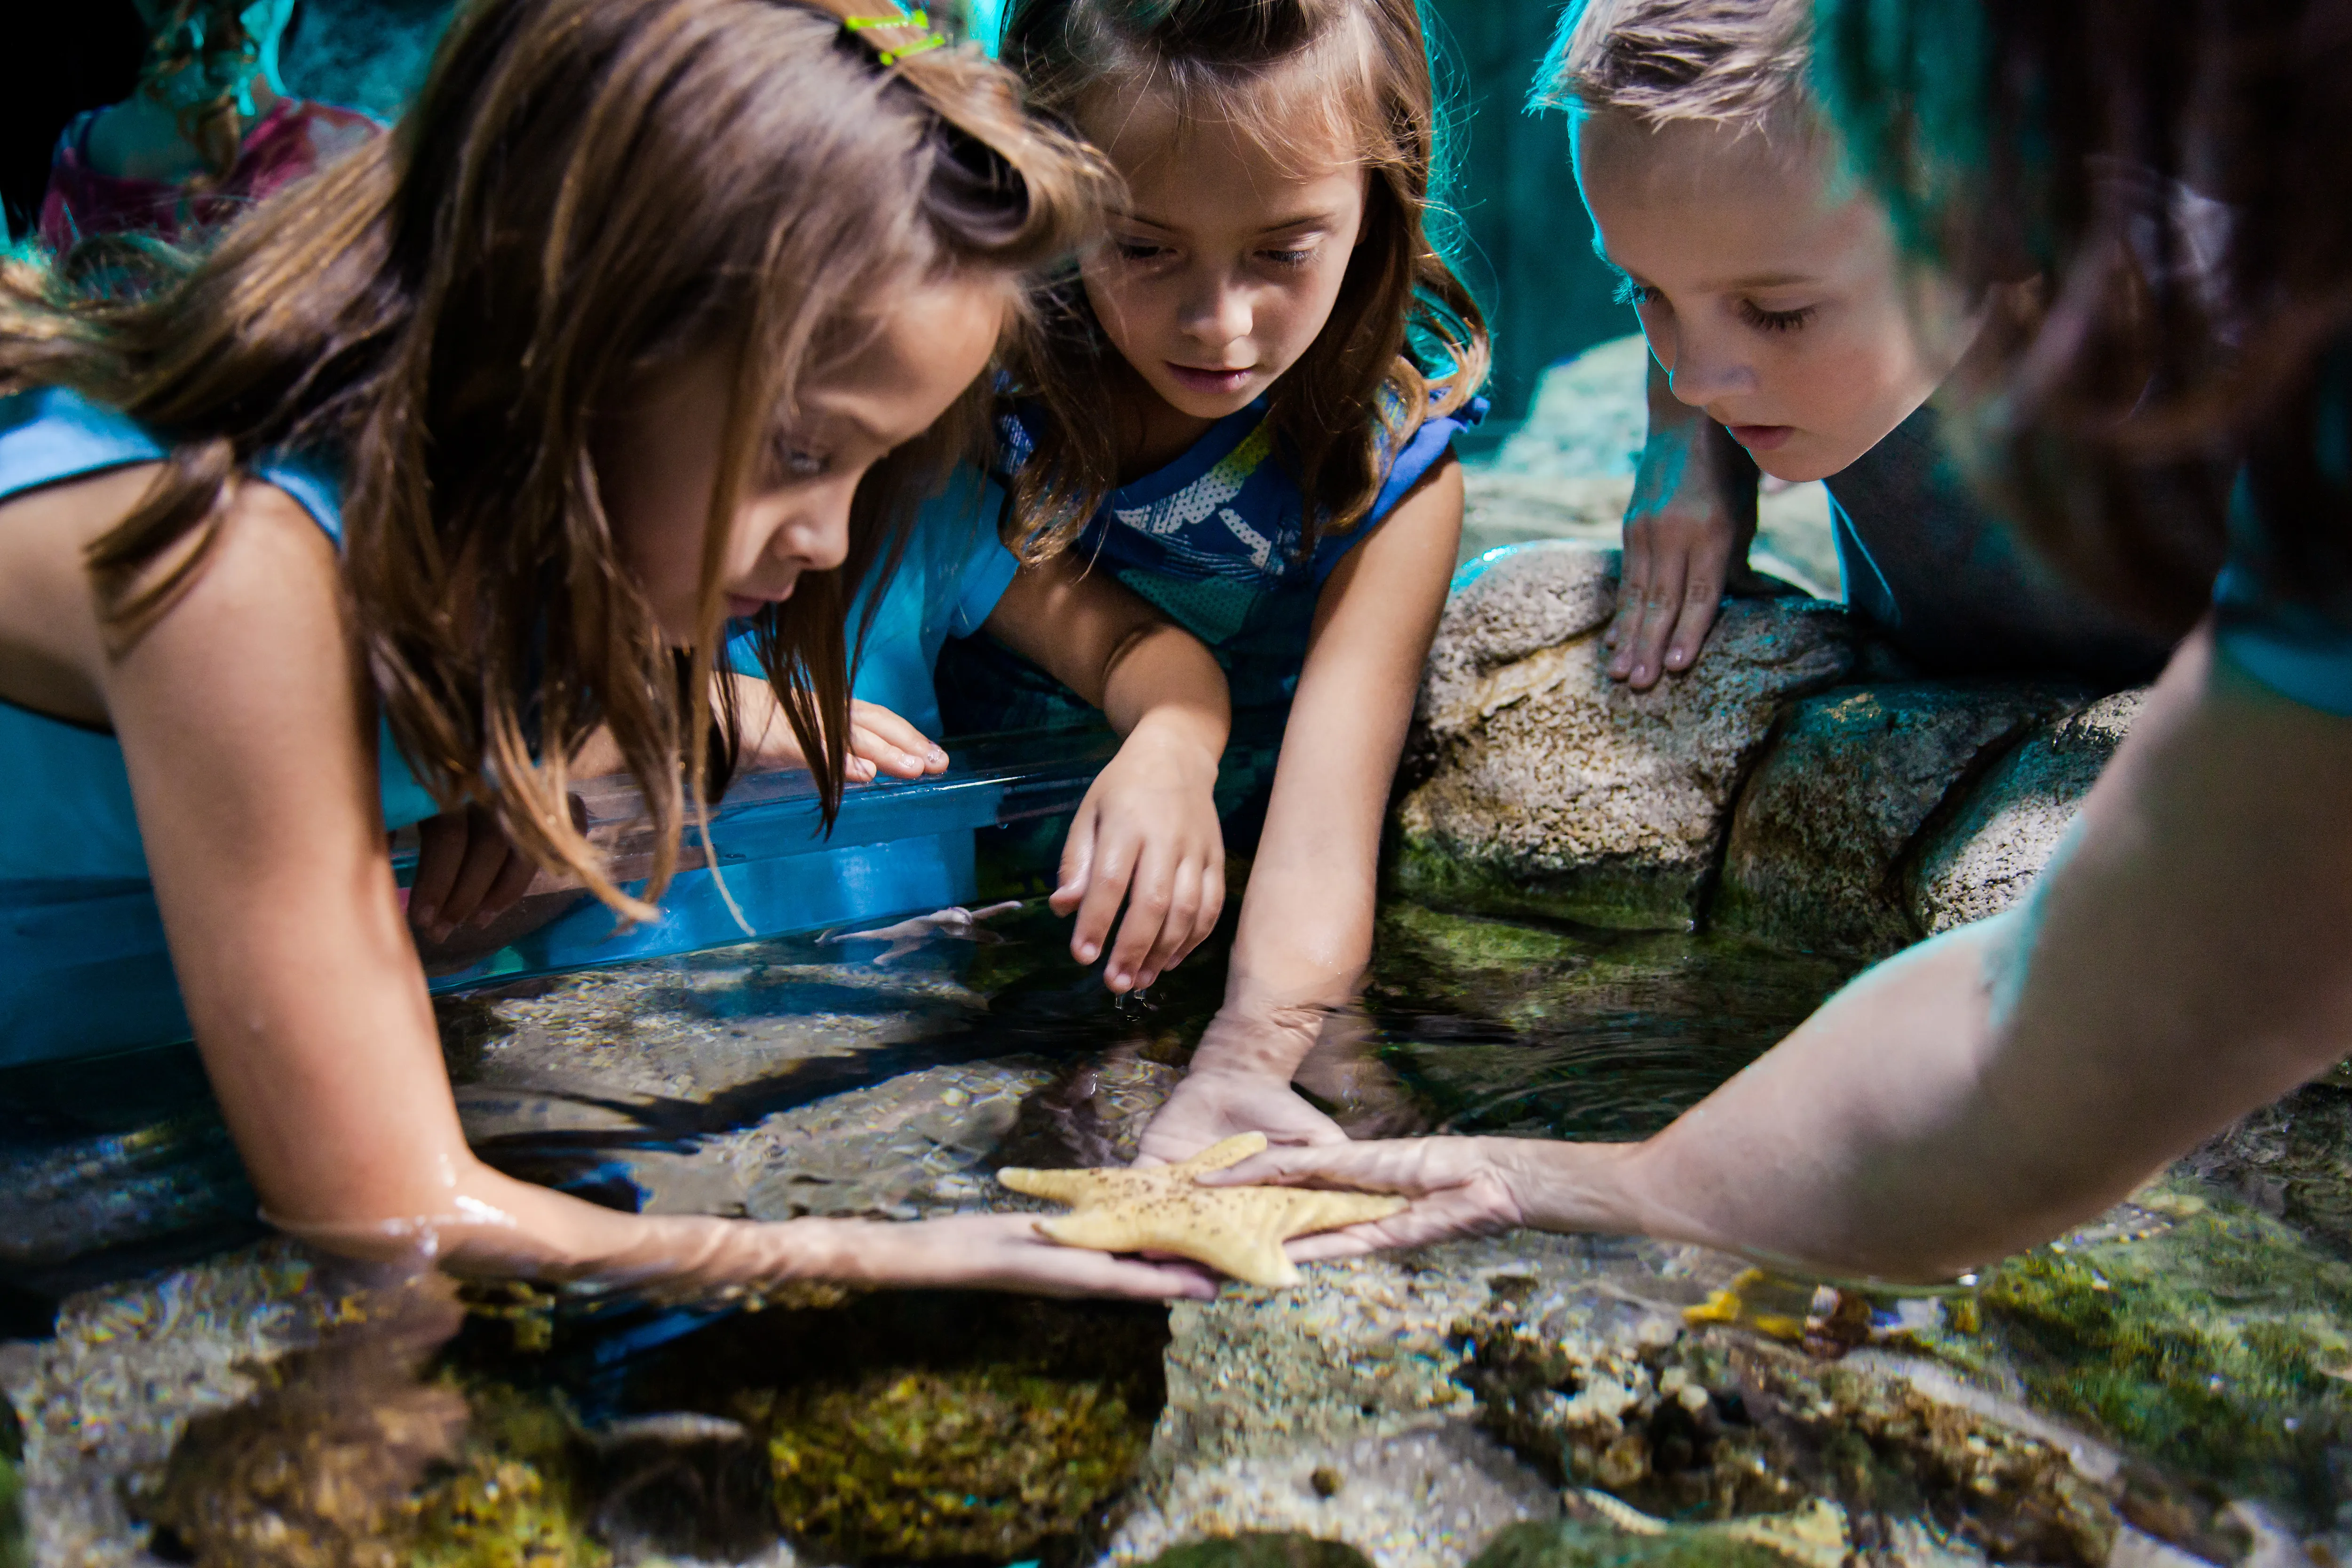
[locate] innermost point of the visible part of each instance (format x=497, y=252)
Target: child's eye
x=1634, y=294
x=1775, y=320
x=794, y=462
x=1137, y=250
x=1295, y=258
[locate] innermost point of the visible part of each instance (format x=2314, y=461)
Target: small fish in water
x=958, y=923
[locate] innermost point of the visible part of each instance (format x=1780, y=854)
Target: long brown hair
x=586, y=190
x=2179, y=177
x=1356, y=393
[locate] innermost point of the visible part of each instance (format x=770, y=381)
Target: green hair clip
x=931, y=40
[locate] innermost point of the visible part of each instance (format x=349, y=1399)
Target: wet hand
x=1005, y=1252
x=1211, y=1105
x=1457, y=1185
x=1147, y=834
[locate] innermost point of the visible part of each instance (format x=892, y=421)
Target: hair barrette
x=931, y=40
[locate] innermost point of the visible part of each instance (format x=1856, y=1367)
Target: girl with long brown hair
x=646, y=319
x=1242, y=409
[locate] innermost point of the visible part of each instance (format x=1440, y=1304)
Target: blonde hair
x=1740, y=63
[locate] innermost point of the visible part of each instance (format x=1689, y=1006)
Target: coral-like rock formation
x=1550, y=789
x=1827, y=824
x=1987, y=856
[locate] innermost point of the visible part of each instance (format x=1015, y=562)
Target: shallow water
x=2133, y=1387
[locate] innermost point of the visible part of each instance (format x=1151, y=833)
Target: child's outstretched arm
x=1307, y=921
x=1148, y=831
x=247, y=738
x=1687, y=530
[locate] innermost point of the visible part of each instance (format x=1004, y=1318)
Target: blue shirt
x=1215, y=540
x=82, y=967
x=951, y=574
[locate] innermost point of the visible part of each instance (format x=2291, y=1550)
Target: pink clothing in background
x=293, y=139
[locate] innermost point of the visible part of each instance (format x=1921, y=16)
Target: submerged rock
x=1550, y=789
x=925, y=1464
x=1985, y=858
x=2209, y=1337
x=1258, y=1550
x=1824, y=830
x=1577, y=1545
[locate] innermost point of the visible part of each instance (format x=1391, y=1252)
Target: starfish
x=1235, y=1230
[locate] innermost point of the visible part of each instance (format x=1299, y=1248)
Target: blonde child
x=1789, y=335
x=1242, y=411
x=636, y=326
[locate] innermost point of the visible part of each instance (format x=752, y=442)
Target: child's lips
x=742, y=607
x=1761, y=437
x=1193, y=378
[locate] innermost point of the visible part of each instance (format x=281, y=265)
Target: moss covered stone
x=514, y=1498
x=2217, y=1346
x=1256, y=1550
x=931, y=1464
x=1572, y=1544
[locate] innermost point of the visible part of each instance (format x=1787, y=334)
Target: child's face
x=659, y=464
x=1225, y=260
x=1772, y=295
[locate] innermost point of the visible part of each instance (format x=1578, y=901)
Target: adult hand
x=1146, y=834
x=1005, y=1252
x=1457, y=1185
x=1687, y=530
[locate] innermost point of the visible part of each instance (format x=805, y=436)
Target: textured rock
x=1552, y=789
x=1989, y=853
x=1826, y=826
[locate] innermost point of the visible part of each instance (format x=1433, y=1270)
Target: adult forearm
x=2181, y=963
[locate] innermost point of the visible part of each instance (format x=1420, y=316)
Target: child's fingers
x=1702, y=596
x=440, y=853
x=899, y=749
x=1175, y=937
x=1632, y=588
x=1150, y=893
x=1106, y=886
x=488, y=854
x=513, y=881
x=1661, y=604
x=1078, y=865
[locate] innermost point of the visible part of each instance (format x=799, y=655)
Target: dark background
x=1523, y=245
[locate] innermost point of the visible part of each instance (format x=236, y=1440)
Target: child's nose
x=1217, y=312
x=1700, y=375
x=814, y=535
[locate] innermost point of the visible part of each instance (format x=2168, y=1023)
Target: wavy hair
x=2179, y=177
x=585, y=190
x=1360, y=390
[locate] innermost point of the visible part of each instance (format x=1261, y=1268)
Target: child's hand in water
x=1687, y=530
x=1148, y=833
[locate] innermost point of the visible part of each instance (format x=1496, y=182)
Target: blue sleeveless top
x=76, y=909
x=1214, y=540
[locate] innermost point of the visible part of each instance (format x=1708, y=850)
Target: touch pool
x=2165, y=1386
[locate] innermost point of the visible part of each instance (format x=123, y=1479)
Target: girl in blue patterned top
x=1241, y=408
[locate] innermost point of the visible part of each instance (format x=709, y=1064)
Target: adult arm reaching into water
x=2183, y=963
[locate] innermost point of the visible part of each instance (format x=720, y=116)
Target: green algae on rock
x=514, y=1500
x=1568, y=1543
x=2217, y=1347
x=944, y=1463
x=1257, y=1549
